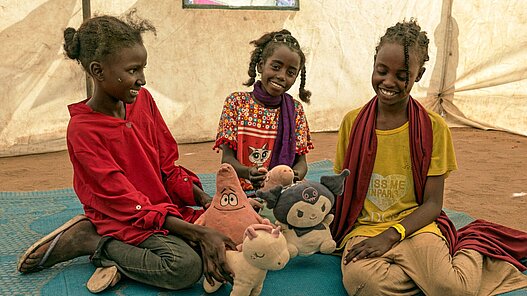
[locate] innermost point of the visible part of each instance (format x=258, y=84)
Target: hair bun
x=71, y=43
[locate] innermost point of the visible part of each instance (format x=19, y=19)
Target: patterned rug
x=27, y=216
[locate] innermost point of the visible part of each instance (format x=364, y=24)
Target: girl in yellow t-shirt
x=396, y=239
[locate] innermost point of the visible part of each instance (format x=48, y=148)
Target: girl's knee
x=358, y=280
x=362, y=286
x=184, y=271
x=461, y=288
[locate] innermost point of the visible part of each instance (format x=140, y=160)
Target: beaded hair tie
x=286, y=38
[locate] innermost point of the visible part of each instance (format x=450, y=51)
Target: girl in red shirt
x=139, y=205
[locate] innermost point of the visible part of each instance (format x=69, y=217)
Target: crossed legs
x=423, y=262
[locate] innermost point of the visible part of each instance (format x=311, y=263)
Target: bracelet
x=400, y=229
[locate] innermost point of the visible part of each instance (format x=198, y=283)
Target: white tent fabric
x=476, y=76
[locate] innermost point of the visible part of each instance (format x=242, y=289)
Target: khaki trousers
x=423, y=263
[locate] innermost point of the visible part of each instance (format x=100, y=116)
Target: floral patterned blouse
x=250, y=129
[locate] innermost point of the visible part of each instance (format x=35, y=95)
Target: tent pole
x=446, y=50
x=86, y=14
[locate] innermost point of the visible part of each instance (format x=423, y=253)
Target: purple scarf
x=285, y=143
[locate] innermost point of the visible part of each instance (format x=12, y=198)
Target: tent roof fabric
x=476, y=75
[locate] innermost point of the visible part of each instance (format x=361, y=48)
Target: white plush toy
x=264, y=248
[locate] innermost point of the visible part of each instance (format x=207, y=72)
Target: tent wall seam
x=86, y=14
x=446, y=55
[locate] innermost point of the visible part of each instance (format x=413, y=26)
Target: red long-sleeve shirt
x=124, y=170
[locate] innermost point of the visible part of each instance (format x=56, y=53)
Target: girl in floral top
x=267, y=127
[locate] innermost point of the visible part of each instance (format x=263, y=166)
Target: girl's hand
x=296, y=177
x=213, y=245
x=201, y=197
x=256, y=203
x=372, y=247
x=257, y=176
x=205, y=201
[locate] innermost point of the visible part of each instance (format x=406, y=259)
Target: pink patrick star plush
x=230, y=211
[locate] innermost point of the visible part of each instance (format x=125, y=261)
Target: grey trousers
x=161, y=261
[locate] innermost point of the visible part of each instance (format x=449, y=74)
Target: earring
x=119, y=79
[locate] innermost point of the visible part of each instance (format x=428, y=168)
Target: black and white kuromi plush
x=302, y=210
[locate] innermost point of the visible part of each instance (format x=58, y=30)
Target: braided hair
x=265, y=47
x=409, y=35
x=101, y=36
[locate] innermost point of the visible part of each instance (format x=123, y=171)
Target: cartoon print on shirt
x=259, y=156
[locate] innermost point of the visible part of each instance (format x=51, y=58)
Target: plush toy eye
x=257, y=256
x=323, y=207
x=299, y=213
x=224, y=200
x=233, y=199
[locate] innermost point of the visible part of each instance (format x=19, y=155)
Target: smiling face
x=389, y=74
x=124, y=74
x=280, y=70
x=229, y=193
x=265, y=250
x=304, y=204
x=303, y=214
x=228, y=200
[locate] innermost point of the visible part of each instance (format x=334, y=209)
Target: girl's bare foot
x=77, y=238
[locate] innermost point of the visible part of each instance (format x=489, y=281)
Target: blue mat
x=27, y=216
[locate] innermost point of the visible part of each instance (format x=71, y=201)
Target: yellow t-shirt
x=391, y=194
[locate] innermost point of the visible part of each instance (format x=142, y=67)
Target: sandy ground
x=491, y=182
